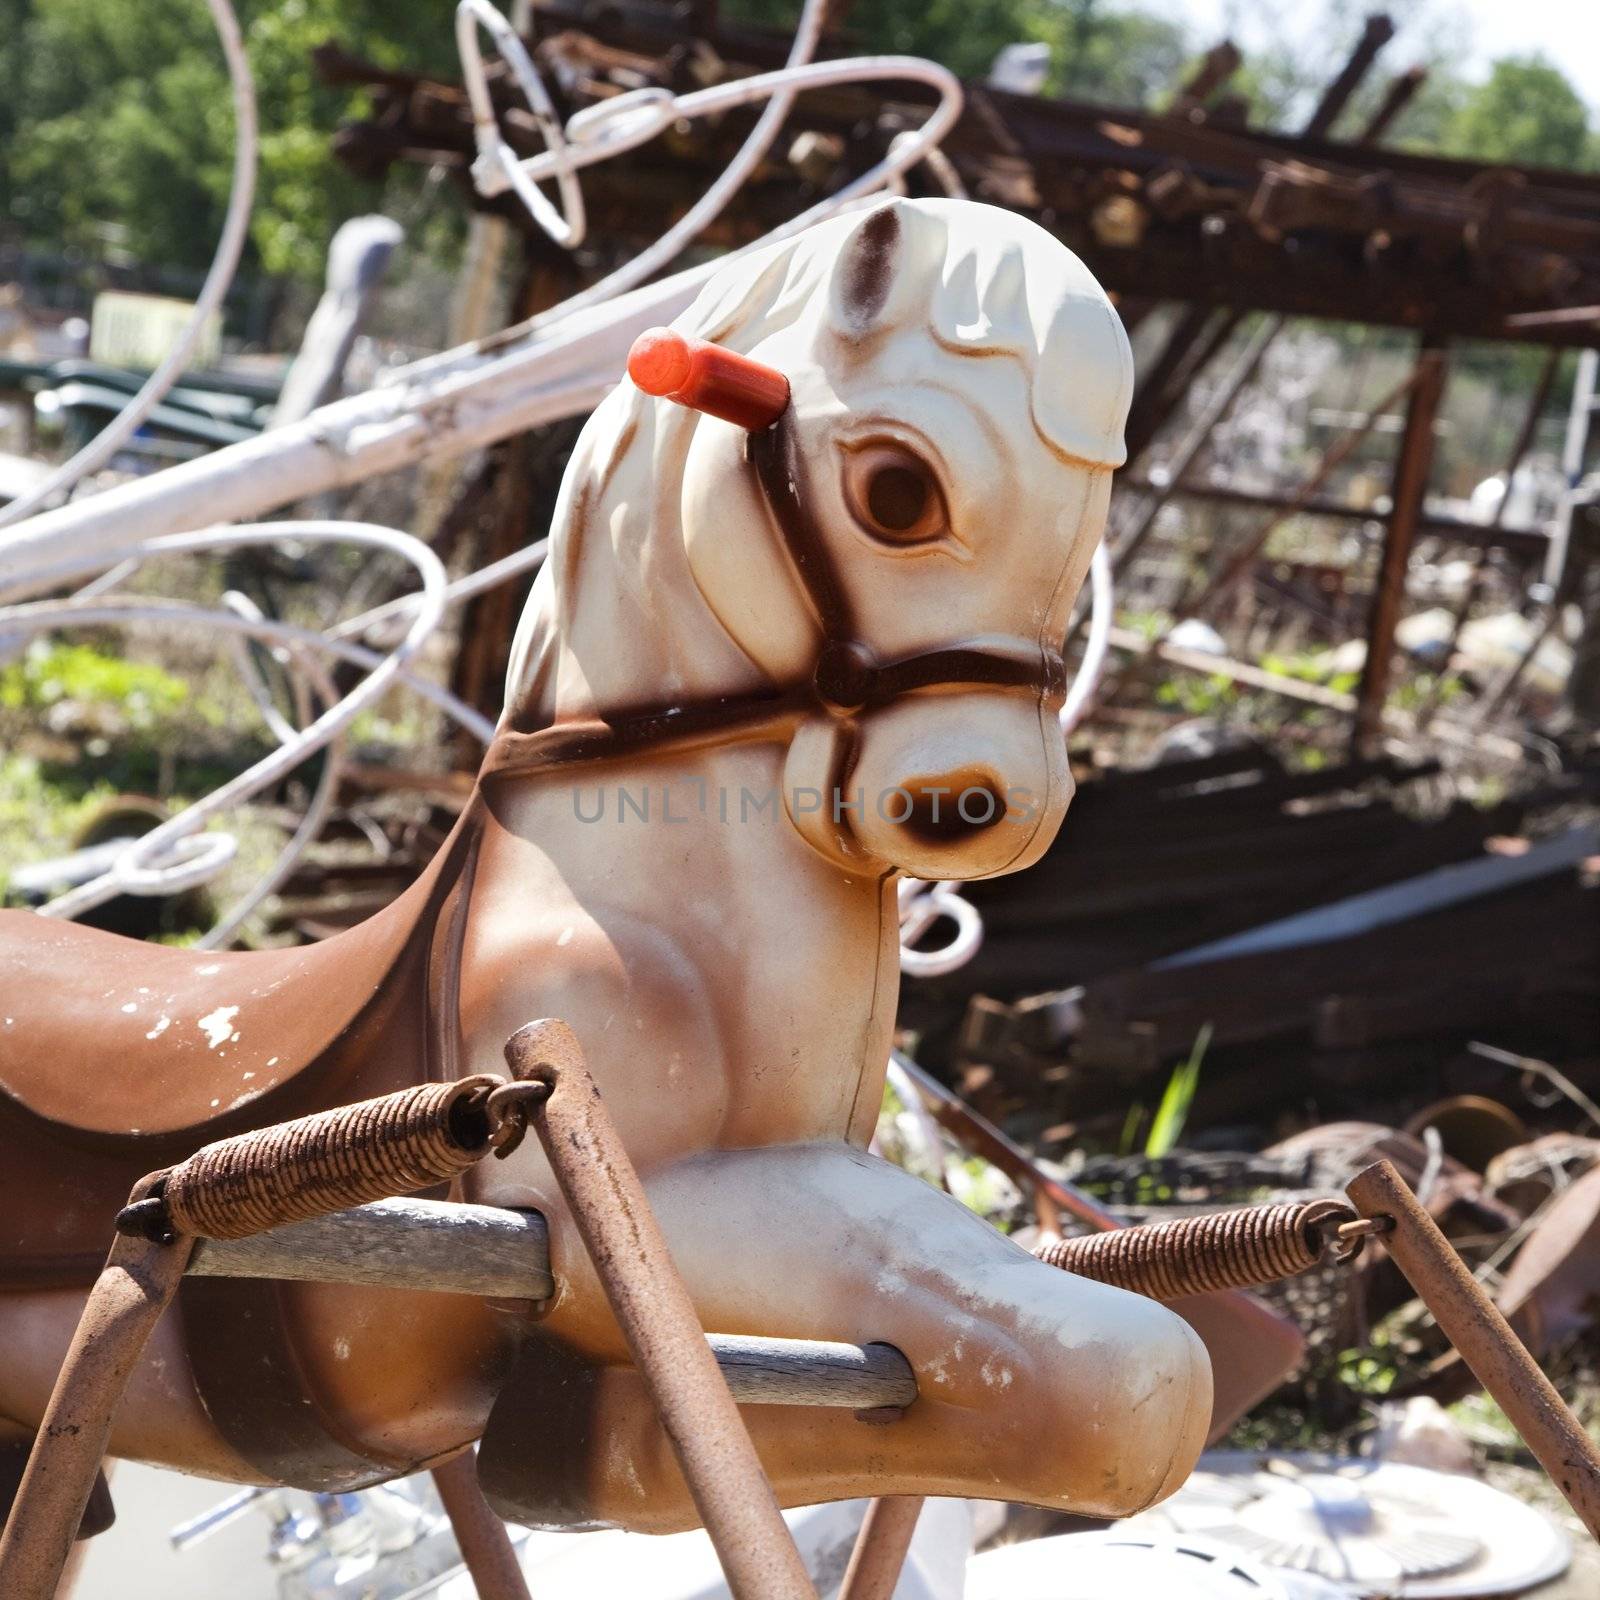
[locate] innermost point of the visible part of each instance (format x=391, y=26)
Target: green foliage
x=1131, y=1124
x=36, y=815
x=117, y=125
x=1117, y=54
x=1112, y=54
x=1177, y=1100
x=1283, y=79
x=1526, y=112
x=1195, y=696
x=48, y=674
x=1367, y=1372
x=1311, y=667
x=1486, y=1424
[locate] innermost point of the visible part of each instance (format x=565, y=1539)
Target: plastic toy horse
x=767, y=669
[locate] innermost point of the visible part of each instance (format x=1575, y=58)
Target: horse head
x=893, y=560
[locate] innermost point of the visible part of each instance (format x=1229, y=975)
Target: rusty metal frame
x=880, y=1548
x=1388, y=596
x=1214, y=198
x=1491, y=534
x=1244, y=555
x=657, y=1318
x=486, y=1548
x=134, y=1288
x=1472, y=1322
x=552, y=1088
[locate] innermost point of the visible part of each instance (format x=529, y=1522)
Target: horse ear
x=875, y=272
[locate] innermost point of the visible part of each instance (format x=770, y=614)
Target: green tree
x=118, y=129
x=1112, y=53
x=1527, y=112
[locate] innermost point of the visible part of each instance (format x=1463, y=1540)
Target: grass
x=82, y=724
x=1166, y=1129
x=49, y=673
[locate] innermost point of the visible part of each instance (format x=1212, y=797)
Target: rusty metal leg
x=880, y=1549
x=1405, y=516
x=135, y=1286
x=1472, y=1323
x=67, y=1585
x=486, y=1547
x=658, y=1319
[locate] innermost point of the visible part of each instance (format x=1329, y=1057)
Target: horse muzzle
x=933, y=786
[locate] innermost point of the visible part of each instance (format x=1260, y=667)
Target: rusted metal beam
x=1241, y=672
x=1214, y=69
x=1401, y=92
x=486, y=1547
x=134, y=1288
x=1410, y=485
x=1162, y=389
x=1526, y=544
x=1474, y=1325
x=658, y=1319
x=1583, y=318
x=1129, y=544
x=1157, y=400
x=973, y=1131
x=1434, y=249
x=1247, y=553
x=1375, y=34
x=880, y=1548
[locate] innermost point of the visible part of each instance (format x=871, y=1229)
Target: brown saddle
x=118, y=1057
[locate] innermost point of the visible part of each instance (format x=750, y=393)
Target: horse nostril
x=953, y=807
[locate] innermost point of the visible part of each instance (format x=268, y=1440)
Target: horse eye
x=894, y=495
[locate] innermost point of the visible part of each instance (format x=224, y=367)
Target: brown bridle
x=846, y=680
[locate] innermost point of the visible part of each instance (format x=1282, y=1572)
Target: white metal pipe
x=490, y=396
x=1102, y=605
x=496, y=168
x=166, y=858
x=711, y=204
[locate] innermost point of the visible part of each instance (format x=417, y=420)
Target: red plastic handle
x=705, y=377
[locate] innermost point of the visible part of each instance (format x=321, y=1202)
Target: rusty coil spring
x=332, y=1160
x=1195, y=1255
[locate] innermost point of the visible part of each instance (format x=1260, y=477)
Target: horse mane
x=986, y=286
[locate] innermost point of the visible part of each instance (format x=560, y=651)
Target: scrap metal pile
x=1188, y=216
x=1186, y=204
x=1396, y=915
x=1323, y=924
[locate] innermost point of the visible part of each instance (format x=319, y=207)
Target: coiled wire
x=372, y=1150
x=1197, y=1255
